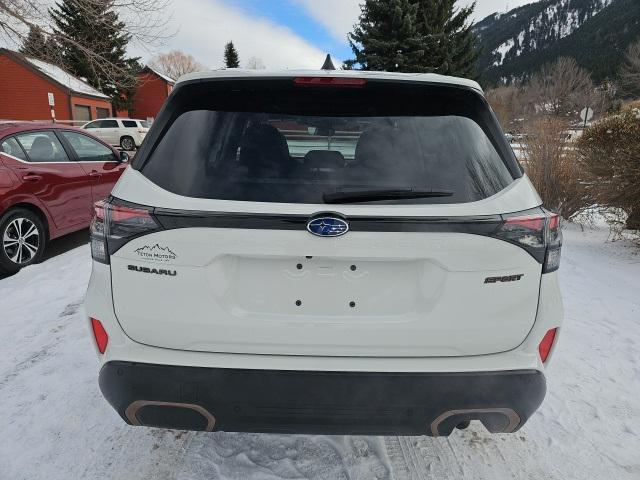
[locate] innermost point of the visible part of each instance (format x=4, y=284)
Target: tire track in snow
x=397, y=459
x=417, y=458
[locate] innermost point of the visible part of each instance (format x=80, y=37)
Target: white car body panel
x=238, y=292
x=99, y=304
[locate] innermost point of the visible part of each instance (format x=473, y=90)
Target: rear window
x=129, y=124
x=278, y=142
x=42, y=147
x=11, y=147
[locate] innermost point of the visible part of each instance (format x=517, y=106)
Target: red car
x=50, y=176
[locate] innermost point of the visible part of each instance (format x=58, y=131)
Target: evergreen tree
x=448, y=38
x=413, y=36
x=35, y=44
x=231, y=58
x=386, y=37
x=92, y=36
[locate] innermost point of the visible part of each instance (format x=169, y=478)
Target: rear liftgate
x=263, y=284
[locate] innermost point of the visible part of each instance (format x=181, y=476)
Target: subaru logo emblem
x=328, y=226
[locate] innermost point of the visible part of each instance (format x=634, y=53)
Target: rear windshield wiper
x=375, y=195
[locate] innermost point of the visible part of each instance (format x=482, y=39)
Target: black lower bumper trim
x=340, y=403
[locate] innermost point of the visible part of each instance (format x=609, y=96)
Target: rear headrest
x=264, y=151
x=42, y=148
x=388, y=152
x=324, y=159
x=265, y=139
x=373, y=141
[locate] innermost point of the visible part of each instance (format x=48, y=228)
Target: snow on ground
x=56, y=425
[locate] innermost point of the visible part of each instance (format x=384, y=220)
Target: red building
x=153, y=90
x=31, y=89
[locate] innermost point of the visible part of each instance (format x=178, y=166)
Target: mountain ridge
x=596, y=33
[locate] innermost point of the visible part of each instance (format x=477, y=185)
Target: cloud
x=205, y=26
x=337, y=16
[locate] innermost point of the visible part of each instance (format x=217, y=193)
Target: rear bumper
x=282, y=401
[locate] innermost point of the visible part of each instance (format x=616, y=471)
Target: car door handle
x=95, y=174
x=30, y=177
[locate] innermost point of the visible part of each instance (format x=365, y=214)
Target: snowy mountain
x=595, y=32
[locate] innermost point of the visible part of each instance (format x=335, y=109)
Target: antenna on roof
x=328, y=64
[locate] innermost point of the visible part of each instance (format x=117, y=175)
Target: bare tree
x=509, y=106
x=562, y=88
x=176, y=63
x=255, y=63
x=552, y=100
x=630, y=72
x=146, y=22
x=552, y=166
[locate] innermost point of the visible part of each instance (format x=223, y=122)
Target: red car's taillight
x=114, y=224
x=538, y=233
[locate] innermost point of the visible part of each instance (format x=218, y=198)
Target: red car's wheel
x=22, y=240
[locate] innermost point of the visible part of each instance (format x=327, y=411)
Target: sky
x=282, y=33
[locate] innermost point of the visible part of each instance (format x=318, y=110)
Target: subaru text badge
x=327, y=226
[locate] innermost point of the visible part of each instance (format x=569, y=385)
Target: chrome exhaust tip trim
x=510, y=414
x=134, y=407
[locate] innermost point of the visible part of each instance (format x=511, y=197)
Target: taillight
x=114, y=224
x=538, y=232
x=554, y=244
x=546, y=344
x=100, y=334
x=329, y=82
x=97, y=232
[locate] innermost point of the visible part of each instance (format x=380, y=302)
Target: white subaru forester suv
x=331, y=252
